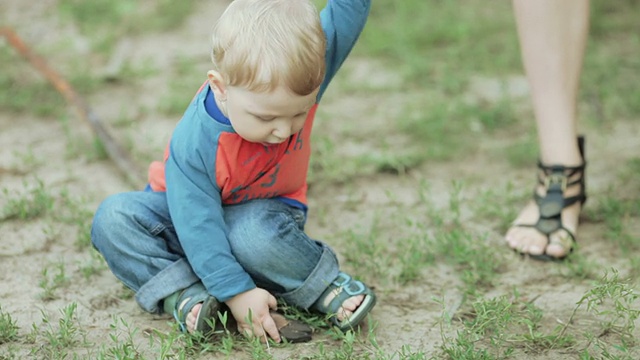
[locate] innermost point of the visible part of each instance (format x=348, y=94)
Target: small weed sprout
x=61, y=338
x=8, y=328
x=49, y=283
x=36, y=203
x=616, y=303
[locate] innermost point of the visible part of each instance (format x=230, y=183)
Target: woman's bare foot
x=529, y=240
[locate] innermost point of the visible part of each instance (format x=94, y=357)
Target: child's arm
x=196, y=210
x=342, y=21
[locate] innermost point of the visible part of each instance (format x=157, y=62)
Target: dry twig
x=131, y=171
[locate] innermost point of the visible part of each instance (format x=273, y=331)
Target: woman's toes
x=514, y=238
x=527, y=241
x=513, y=243
x=560, y=245
x=556, y=250
x=534, y=248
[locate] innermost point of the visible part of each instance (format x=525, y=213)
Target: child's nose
x=283, y=130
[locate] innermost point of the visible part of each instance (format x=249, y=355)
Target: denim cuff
x=174, y=277
x=316, y=283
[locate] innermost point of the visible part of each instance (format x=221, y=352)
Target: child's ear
x=217, y=84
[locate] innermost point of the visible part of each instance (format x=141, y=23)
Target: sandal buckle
x=355, y=288
x=341, y=280
x=556, y=178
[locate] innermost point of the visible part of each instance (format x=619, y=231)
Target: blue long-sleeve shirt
x=207, y=165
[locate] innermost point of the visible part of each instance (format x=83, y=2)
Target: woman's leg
x=552, y=38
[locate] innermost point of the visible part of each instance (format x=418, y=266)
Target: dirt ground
x=406, y=315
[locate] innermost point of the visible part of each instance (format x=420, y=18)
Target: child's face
x=267, y=118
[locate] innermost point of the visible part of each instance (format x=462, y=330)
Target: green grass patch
x=36, y=202
x=442, y=43
x=8, y=328
x=495, y=328
x=24, y=91
x=96, y=19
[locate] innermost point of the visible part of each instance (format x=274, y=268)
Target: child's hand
x=251, y=311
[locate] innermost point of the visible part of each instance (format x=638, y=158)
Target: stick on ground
x=132, y=172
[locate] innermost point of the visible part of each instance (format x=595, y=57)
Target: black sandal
x=555, y=179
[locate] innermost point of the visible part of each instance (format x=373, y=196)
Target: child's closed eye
x=264, y=118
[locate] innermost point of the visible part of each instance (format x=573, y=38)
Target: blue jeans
x=134, y=233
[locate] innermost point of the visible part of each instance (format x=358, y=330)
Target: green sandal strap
x=186, y=300
x=341, y=289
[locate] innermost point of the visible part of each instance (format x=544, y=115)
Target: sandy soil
x=406, y=315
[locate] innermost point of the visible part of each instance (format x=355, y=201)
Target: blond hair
x=262, y=44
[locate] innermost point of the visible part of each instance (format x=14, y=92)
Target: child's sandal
x=187, y=299
x=341, y=289
x=556, y=179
